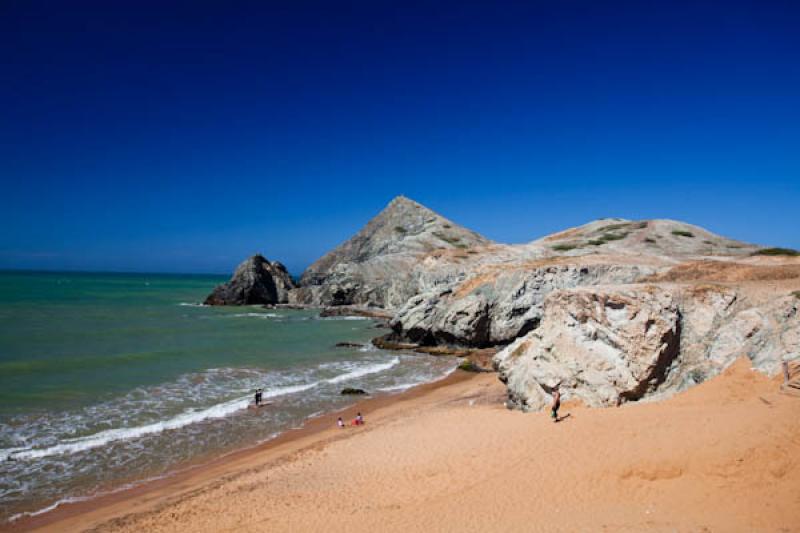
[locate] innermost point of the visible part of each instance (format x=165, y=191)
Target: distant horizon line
x=82, y=271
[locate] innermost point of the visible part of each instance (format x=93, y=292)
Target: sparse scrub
x=796, y=294
x=608, y=237
x=777, y=251
x=565, y=247
x=400, y=229
x=649, y=240
x=449, y=240
x=468, y=366
x=613, y=227
x=683, y=233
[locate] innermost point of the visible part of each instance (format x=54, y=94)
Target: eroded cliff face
x=614, y=310
x=603, y=345
x=501, y=304
x=608, y=345
x=494, y=294
x=255, y=281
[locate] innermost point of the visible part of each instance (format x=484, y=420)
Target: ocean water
x=107, y=380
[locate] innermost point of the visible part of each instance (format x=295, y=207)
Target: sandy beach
x=724, y=456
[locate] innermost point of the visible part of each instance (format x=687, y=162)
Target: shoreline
x=449, y=456
x=316, y=430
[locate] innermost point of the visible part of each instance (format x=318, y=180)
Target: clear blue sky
x=161, y=136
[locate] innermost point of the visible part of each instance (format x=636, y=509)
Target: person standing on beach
x=556, y=403
x=340, y=423
x=258, y=396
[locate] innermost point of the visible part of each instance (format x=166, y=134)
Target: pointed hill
x=404, y=226
x=365, y=268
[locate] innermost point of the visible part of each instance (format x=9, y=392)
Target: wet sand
x=724, y=456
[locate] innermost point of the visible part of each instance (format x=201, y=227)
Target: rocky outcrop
x=615, y=310
x=256, y=281
x=379, y=266
x=609, y=345
x=603, y=345
x=499, y=305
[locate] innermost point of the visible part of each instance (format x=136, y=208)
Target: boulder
x=255, y=281
x=351, y=391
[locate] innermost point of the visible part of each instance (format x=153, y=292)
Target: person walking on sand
x=556, y=403
x=340, y=423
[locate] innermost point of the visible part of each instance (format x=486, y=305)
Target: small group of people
x=357, y=421
x=259, y=396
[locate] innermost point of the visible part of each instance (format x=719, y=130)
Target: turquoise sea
x=111, y=379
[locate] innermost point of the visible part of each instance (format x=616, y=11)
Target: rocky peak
x=255, y=281
x=402, y=227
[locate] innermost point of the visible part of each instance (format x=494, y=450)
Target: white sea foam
x=257, y=315
x=80, y=444
x=59, y=503
x=405, y=386
x=365, y=371
x=192, y=304
x=70, y=446
x=8, y=452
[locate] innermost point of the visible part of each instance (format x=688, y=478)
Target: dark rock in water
x=256, y=281
x=368, y=312
x=349, y=345
x=389, y=342
x=352, y=391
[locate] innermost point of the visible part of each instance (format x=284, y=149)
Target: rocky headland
x=255, y=281
x=612, y=311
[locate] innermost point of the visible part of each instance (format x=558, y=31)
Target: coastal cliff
x=614, y=311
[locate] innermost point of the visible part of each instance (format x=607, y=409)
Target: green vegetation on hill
x=565, y=247
x=777, y=251
x=455, y=241
x=468, y=366
x=623, y=225
x=608, y=237
x=682, y=233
